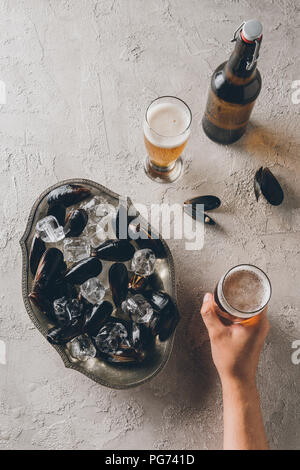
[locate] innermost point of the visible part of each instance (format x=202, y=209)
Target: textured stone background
x=79, y=75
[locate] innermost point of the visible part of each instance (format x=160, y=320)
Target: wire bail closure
x=249, y=65
x=237, y=31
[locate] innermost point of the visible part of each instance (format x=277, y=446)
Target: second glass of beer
x=242, y=293
x=166, y=131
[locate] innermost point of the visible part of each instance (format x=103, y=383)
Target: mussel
x=96, y=318
x=61, y=335
x=266, y=183
x=75, y=222
x=37, y=249
x=84, y=270
x=114, y=343
x=115, y=250
x=126, y=355
x=50, y=268
x=118, y=281
x=58, y=211
x=167, y=323
x=86, y=306
x=209, y=202
x=43, y=304
x=46, y=299
x=198, y=215
x=142, y=337
x=68, y=194
x=60, y=288
x=167, y=317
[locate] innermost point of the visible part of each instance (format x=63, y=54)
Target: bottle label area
x=226, y=115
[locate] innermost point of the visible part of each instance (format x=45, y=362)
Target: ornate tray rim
x=25, y=267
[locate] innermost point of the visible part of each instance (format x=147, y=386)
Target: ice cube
x=143, y=262
x=98, y=207
x=95, y=234
x=49, y=229
x=92, y=290
x=110, y=337
x=82, y=348
x=66, y=310
x=98, y=232
x=76, y=249
x=89, y=205
x=102, y=210
x=139, y=310
x=61, y=315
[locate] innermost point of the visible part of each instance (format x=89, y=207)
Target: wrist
x=243, y=385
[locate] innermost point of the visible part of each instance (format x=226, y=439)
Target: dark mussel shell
x=266, y=182
x=121, y=222
x=141, y=337
x=167, y=323
x=37, y=250
x=209, y=202
x=114, y=343
x=43, y=304
x=49, y=270
x=198, y=215
x=68, y=194
x=96, y=318
x=84, y=270
x=86, y=306
x=167, y=317
x=126, y=356
x=56, y=290
x=61, y=288
x=61, y=335
x=115, y=250
x=75, y=222
x=118, y=281
x=58, y=211
x=257, y=180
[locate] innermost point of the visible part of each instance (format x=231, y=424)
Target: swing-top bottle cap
x=252, y=30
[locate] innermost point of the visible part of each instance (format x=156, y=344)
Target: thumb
x=209, y=315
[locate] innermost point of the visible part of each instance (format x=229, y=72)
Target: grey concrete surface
x=79, y=74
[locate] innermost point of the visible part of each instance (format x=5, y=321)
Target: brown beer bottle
x=235, y=85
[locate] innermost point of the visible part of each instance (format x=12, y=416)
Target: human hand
x=235, y=348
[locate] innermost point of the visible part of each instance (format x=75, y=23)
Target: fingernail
x=206, y=298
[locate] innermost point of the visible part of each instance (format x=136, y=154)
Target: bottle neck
x=241, y=58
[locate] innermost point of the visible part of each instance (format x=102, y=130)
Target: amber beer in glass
x=242, y=294
x=166, y=131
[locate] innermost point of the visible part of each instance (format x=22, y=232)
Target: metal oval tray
x=117, y=377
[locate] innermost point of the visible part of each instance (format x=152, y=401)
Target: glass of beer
x=242, y=293
x=166, y=131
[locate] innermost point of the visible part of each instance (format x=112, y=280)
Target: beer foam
x=167, y=124
x=246, y=289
